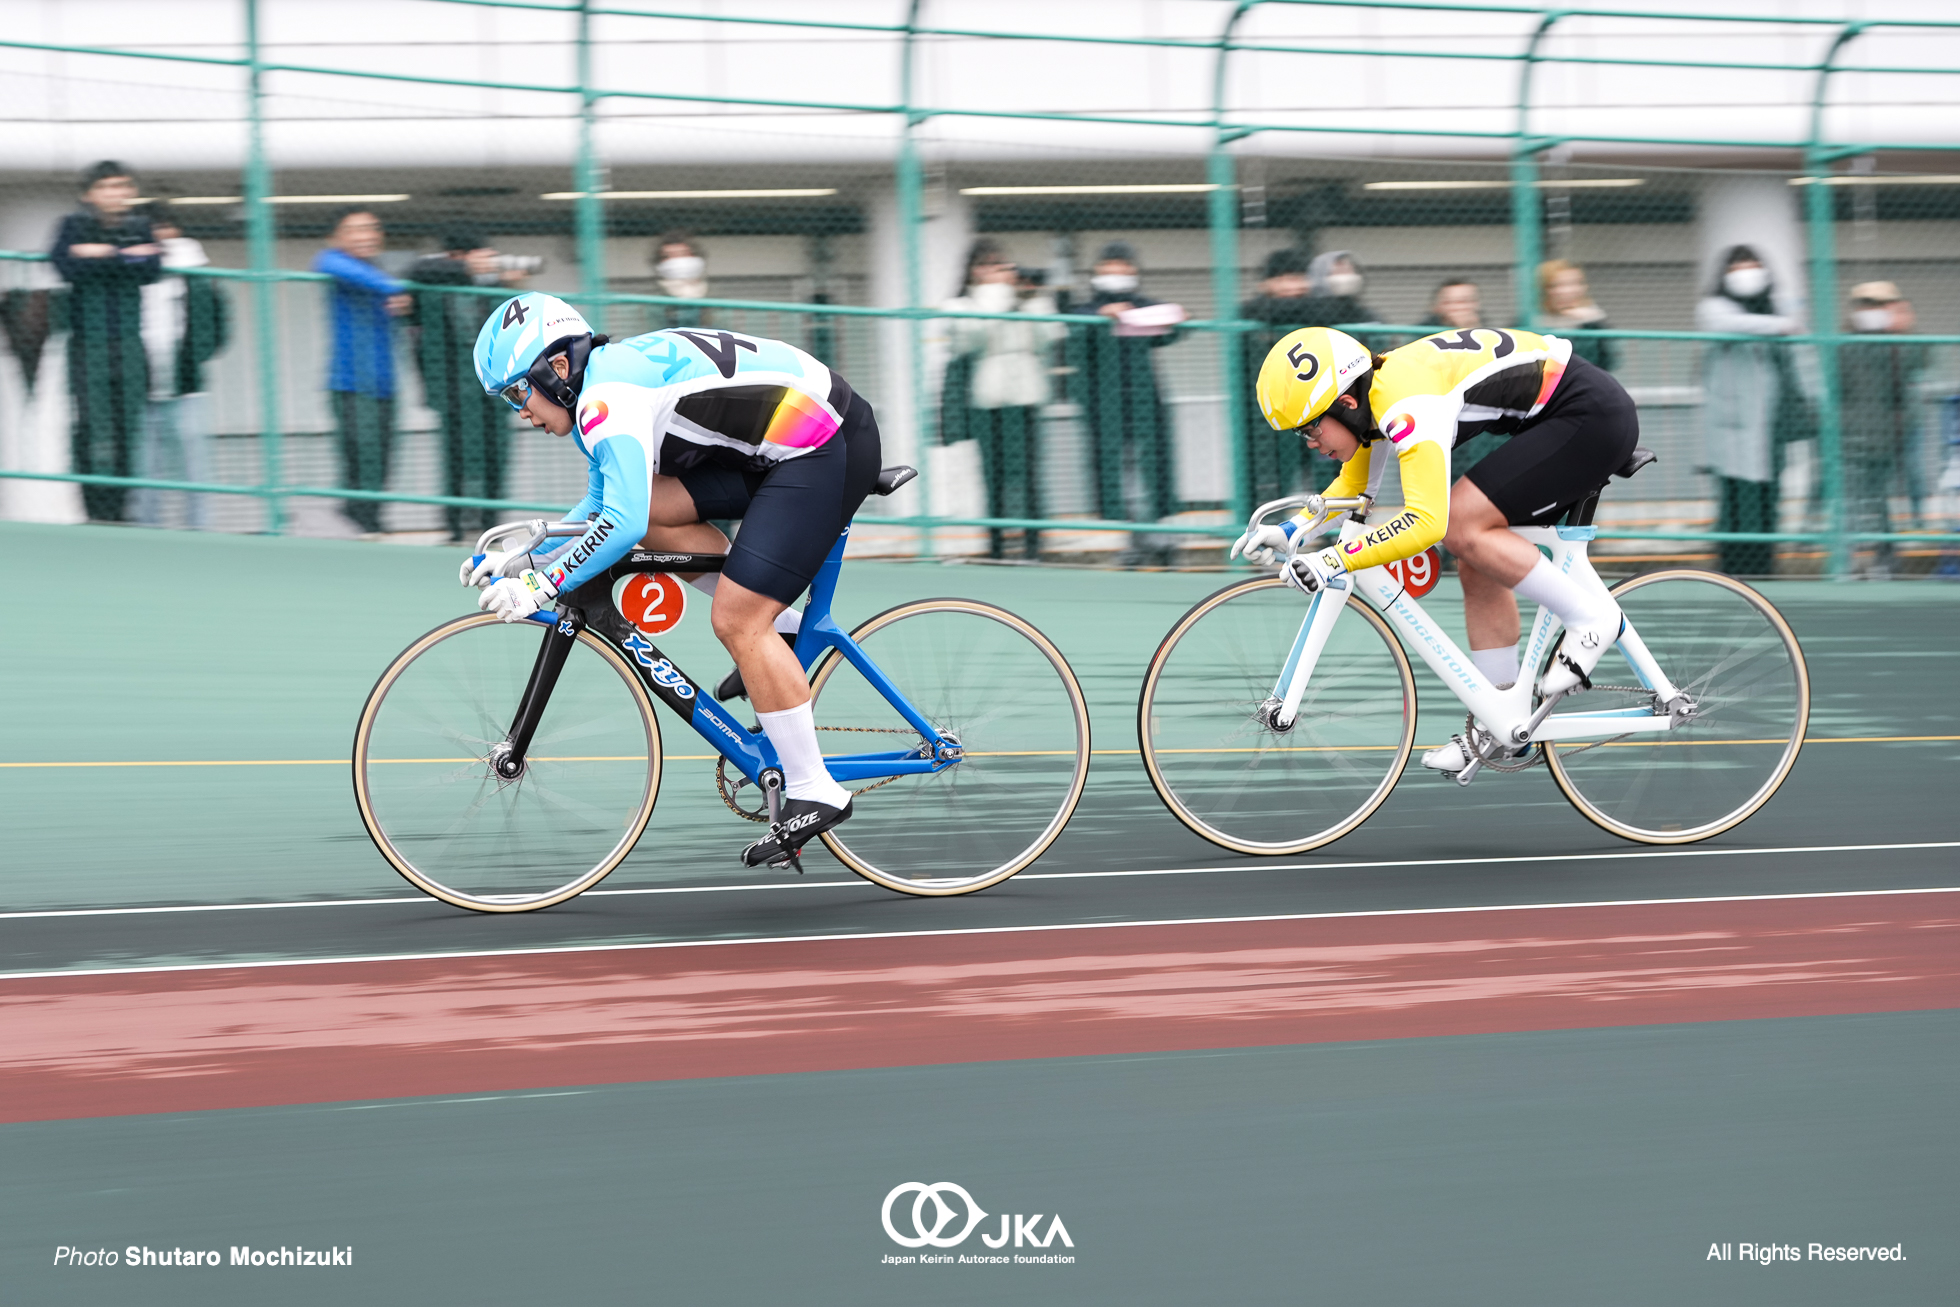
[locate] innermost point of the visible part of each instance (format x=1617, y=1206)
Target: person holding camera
x=475, y=427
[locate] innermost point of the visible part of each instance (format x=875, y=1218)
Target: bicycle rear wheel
x=448, y=823
x=1723, y=644
x=1215, y=758
x=995, y=683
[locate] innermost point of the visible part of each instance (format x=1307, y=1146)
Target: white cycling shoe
x=1579, y=651
x=1451, y=757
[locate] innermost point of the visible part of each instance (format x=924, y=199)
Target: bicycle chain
x=1538, y=755
x=728, y=793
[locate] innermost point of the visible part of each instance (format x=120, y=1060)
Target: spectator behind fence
x=361, y=299
x=680, y=269
x=475, y=427
x=1285, y=302
x=1456, y=304
x=1128, y=424
x=996, y=383
x=1877, y=380
x=1751, y=406
x=1337, y=283
x=1565, y=303
x=107, y=254
x=186, y=321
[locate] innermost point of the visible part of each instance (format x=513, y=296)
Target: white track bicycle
x=1272, y=731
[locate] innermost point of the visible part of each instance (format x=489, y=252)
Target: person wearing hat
x=475, y=427
x=1876, y=379
x=1115, y=377
x=107, y=253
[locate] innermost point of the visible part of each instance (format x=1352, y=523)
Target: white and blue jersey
x=671, y=400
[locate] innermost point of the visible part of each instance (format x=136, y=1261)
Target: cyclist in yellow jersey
x=1571, y=426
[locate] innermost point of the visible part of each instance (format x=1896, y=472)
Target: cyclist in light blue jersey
x=682, y=426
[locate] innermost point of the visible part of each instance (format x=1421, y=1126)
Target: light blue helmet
x=519, y=333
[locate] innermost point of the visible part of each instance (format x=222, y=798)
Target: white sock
x=1499, y=666
x=794, y=733
x=706, y=583
x=789, y=621
x=1576, y=604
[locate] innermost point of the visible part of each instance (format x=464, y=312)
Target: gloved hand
x=1312, y=572
x=481, y=569
x=515, y=598
x=1262, y=543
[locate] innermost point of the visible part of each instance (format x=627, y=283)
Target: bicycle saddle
x=892, y=478
x=1638, y=459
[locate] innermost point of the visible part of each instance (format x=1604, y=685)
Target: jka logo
x=653, y=601
x=514, y=313
x=947, y=1227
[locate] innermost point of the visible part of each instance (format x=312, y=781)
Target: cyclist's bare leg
x=744, y=622
x=675, y=526
x=1490, y=561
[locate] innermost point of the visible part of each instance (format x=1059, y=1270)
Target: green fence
x=1042, y=424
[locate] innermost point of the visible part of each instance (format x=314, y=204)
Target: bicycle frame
x=591, y=607
x=1508, y=714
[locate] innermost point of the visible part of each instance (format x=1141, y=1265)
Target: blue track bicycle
x=505, y=768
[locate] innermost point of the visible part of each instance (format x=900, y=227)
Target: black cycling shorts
x=1568, y=451
x=792, y=511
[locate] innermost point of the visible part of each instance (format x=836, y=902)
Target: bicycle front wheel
x=1726, y=647
x=994, y=683
x=451, y=825
x=1210, y=747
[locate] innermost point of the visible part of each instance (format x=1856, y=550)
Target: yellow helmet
x=1306, y=372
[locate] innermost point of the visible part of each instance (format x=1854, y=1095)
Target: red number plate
x=654, y=602
x=1418, y=575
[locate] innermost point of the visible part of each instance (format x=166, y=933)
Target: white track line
x=977, y=930
x=846, y=882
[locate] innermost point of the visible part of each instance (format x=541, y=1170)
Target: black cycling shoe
x=731, y=686
x=801, y=821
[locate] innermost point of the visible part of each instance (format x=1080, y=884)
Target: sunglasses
x=517, y=394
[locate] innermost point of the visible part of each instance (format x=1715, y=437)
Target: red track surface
x=171, y=1042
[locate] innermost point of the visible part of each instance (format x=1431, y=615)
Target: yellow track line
x=709, y=757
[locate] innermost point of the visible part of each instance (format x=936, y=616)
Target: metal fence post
x=262, y=255
x=1527, y=237
x=1820, y=206
x=911, y=224
x=591, y=218
x=1224, y=197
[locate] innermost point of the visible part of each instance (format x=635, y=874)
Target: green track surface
x=1591, y=1167
x=162, y=646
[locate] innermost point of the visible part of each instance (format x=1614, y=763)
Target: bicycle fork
x=507, y=757
x=1283, y=708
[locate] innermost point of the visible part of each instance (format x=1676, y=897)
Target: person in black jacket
x=106, y=254
x=475, y=430
x=1116, y=383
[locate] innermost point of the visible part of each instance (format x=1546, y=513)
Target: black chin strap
x=563, y=391
x=1359, y=420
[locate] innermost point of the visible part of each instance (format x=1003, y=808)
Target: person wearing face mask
x=1115, y=381
x=1749, y=390
x=1273, y=459
x=107, y=253
x=1337, y=283
x=1565, y=303
x=996, y=384
x=1877, y=378
x=680, y=271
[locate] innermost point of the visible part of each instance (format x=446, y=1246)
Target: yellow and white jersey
x=1427, y=396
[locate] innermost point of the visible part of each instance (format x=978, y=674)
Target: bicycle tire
x=976, y=672
x=518, y=837
x=1686, y=786
x=1191, y=721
